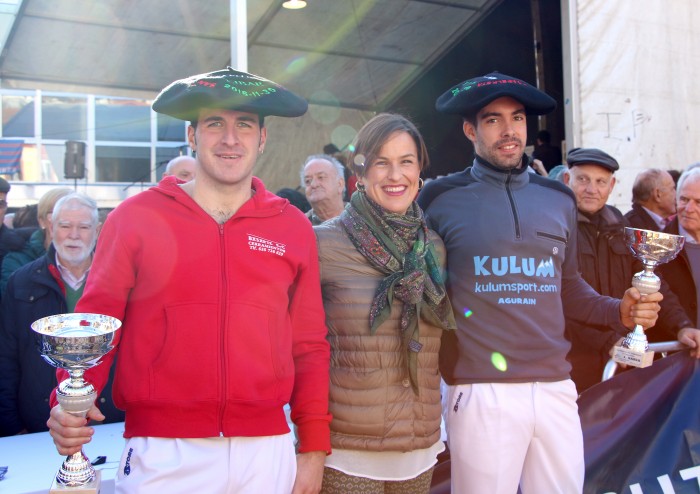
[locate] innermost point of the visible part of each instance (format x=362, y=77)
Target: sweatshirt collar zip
x=486, y=172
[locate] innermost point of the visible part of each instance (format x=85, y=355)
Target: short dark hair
x=295, y=197
x=470, y=119
x=4, y=186
x=26, y=216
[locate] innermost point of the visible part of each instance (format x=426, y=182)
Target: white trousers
x=217, y=465
x=505, y=435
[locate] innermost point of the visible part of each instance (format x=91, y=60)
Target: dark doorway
x=503, y=41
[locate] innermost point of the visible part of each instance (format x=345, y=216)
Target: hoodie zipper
x=222, y=335
x=516, y=219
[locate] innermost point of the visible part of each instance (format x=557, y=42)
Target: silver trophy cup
x=75, y=342
x=652, y=248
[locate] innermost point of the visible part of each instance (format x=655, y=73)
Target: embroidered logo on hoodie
x=264, y=245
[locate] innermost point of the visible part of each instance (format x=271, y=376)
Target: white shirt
x=688, y=237
x=68, y=277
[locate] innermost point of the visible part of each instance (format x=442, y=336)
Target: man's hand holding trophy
x=651, y=248
x=75, y=342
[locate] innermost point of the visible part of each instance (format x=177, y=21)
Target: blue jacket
x=26, y=380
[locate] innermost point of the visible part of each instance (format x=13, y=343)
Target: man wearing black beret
x=217, y=283
x=608, y=265
x=510, y=406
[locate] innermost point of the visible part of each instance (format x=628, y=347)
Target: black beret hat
x=228, y=89
x=591, y=156
x=470, y=96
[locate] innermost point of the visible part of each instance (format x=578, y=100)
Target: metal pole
x=539, y=60
x=239, y=35
x=572, y=101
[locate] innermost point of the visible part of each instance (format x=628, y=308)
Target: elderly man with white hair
x=682, y=273
x=49, y=285
x=323, y=179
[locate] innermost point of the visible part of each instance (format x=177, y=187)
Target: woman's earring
x=360, y=186
x=421, y=183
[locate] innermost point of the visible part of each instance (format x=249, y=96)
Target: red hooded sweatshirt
x=222, y=324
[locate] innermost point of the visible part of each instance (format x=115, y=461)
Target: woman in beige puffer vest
x=385, y=384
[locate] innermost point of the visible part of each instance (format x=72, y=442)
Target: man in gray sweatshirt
x=512, y=274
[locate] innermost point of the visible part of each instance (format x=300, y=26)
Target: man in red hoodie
x=216, y=282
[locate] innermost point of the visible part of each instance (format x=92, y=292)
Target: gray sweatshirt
x=512, y=274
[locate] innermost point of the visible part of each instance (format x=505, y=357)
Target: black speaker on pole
x=74, y=164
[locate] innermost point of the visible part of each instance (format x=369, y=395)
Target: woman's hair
x=375, y=133
x=49, y=199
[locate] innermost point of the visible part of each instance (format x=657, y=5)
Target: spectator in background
x=324, y=184
x=10, y=239
x=681, y=273
x=549, y=155
x=26, y=217
x=607, y=264
x=39, y=241
x=296, y=198
x=675, y=175
x=557, y=173
x=46, y=286
x=536, y=166
x=182, y=167
x=653, y=200
x=9, y=219
x=348, y=174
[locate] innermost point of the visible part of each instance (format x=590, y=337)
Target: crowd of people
x=510, y=287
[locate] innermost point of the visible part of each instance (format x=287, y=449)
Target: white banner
x=636, y=93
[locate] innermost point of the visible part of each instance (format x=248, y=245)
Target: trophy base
x=632, y=357
x=89, y=488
